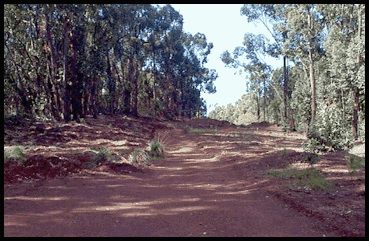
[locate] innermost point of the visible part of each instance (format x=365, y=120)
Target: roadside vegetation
x=307, y=178
x=15, y=153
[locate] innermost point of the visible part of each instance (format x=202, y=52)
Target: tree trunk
x=134, y=81
x=355, y=114
x=67, y=86
x=19, y=88
x=116, y=97
x=111, y=85
x=93, y=97
x=311, y=75
x=355, y=91
x=25, y=102
x=285, y=91
x=51, y=95
x=264, y=104
x=258, y=106
x=76, y=75
x=54, y=93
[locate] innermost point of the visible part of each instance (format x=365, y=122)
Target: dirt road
x=198, y=190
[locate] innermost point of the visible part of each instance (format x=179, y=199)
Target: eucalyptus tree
x=253, y=64
x=68, y=61
x=15, y=39
x=305, y=36
x=271, y=16
x=345, y=46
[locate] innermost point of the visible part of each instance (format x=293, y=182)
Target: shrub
x=139, y=157
x=15, y=153
x=355, y=162
x=332, y=127
x=312, y=145
x=310, y=177
x=102, y=154
x=311, y=158
x=315, y=182
x=283, y=173
x=156, y=149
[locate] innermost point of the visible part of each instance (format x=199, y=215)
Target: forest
x=320, y=87
x=64, y=62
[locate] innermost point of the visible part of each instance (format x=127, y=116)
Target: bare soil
x=212, y=182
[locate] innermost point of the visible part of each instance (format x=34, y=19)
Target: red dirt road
x=198, y=190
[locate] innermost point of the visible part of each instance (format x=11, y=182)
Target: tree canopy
x=66, y=61
x=322, y=92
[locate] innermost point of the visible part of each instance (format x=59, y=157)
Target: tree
x=70, y=61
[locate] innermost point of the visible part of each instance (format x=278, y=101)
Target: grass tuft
x=156, y=149
x=15, y=153
x=139, y=157
x=354, y=162
x=311, y=158
x=201, y=130
x=310, y=177
x=102, y=155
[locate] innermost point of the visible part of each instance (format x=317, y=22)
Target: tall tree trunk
x=355, y=114
x=125, y=89
x=134, y=81
x=21, y=91
x=54, y=93
x=181, y=104
x=355, y=90
x=67, y=86
x=154, y=93
x=313, y=88
x=93, y=97
x=85, y=102
x=51, y=96
x=311, y=74
x=264, y=97
x=111, y=85
x=25, y=102
x=285, y=91
x=116, y=97
x=258, y=106
x=76, y=76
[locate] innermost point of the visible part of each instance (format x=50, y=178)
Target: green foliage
x=309, y=178
x=332, y=128
x=200, y=131
x=15, y=153
x=311, y=158
x=315, y=182
x=156, y=149
x=102, y=155
x=243, y=112
x=355, y=162
x=97, y=59
x=311, y=145
x=325, y=88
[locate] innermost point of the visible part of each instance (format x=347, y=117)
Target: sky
x=224, y=26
